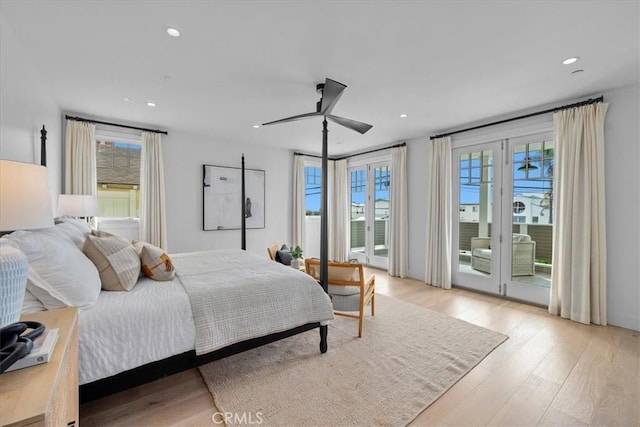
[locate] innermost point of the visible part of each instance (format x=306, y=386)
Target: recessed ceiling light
x=570, y=60
x=126, y=99
x=151, y=104
x=173, y=32
x=256, y=126
x=403, y=115
x=577, y=71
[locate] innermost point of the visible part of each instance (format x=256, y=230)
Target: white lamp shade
x=25, y=202
x=77, y=205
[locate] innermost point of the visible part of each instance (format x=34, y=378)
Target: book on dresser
x=43, y=347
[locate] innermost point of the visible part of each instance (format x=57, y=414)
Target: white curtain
x=579, y=274
x=398, y=220
x=299, y=210
x=153, y=227
x=438, y=262
x=339, y=212
x=80, y=158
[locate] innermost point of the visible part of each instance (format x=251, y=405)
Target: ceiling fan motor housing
x=319, y=89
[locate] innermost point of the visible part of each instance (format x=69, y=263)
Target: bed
x=158, y=328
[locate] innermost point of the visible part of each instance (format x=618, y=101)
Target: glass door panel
x=358, y=217
x=369, y=223
x=476, y=251
x=379, y=251
x=530, y=231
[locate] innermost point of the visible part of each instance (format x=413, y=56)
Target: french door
x=369, y=214
x=502, y=217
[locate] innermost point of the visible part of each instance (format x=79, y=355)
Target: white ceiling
x=240, y=63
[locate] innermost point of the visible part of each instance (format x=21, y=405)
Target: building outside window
x=118, y=176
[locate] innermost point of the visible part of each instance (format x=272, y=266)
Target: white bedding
x=236, y=296
x=154, y=320
x=128, y=329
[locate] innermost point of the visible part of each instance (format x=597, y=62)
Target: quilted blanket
x=236, y=296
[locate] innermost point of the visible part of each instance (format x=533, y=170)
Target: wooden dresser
x=46, y=394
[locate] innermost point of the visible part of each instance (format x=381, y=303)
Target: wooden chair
x=348, y=289
x=271, y=250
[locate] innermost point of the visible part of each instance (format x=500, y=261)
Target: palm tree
x=547, y=161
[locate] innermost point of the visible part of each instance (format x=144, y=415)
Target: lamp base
x=13, y=281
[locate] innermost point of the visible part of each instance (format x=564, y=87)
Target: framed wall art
x=222, y=198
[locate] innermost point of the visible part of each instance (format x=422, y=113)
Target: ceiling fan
x=331, y=91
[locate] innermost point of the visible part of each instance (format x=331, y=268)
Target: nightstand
x=46, y=394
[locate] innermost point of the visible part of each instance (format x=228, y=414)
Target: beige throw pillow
x=116, y=260
x=156, y=264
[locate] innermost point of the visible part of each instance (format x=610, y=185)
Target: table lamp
x=24, y=204
x=77, y=205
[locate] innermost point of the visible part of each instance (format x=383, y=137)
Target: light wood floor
x=549, y=372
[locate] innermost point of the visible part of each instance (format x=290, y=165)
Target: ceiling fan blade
x=330, y=95
x=351, y=124
x=293, y=118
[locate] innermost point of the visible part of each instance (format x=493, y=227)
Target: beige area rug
x=407, y=358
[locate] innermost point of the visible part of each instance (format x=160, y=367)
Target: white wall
x=184, y=155
x=622, y=186
x=622, y=140
x=25, y=105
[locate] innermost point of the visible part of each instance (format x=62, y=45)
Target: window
x=358, y=181
x=518, y=207
x=382, y=178
x=476, y=168
x=312, y=188
x=118, y=158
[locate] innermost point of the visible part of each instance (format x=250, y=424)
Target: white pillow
x=59, y=273
x=72, y=232
x=81, y=225
x=31, y=304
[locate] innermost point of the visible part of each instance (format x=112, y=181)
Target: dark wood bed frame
x=181, y=362
x=188, y=360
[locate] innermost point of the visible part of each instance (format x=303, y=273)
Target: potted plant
x=296, y=253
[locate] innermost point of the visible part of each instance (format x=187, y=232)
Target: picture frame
x=222, y=198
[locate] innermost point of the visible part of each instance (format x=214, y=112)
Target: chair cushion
x=346, y=302
x=521, y=238
x=343, y=290
x=482, y=253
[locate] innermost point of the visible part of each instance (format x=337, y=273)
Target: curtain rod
x=352, y=155
x=526, y=116
x=80, y=119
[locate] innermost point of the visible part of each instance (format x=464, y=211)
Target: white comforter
x=154, y=320
x=128, y=329
x=236, y=296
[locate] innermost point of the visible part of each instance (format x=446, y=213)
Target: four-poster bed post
x=324, y=229
x=243, y=223
x=43, y=146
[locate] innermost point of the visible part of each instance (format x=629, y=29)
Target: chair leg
x=373, y=303
x=360, y=324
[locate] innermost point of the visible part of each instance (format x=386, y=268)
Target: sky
x=312, y=190
x=538, y=181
